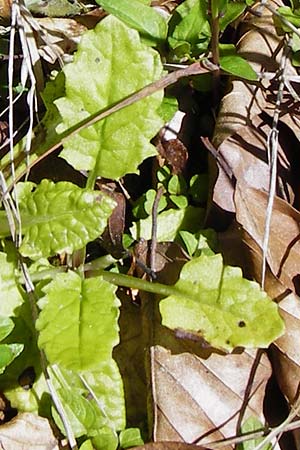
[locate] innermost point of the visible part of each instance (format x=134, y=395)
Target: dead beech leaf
x=169, y=445
x=27, y=431
x=283, y=254
x=199, y=400
x=245, y=153
x=285, y=350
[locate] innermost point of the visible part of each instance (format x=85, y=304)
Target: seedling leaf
x=78, y=322
x=223, y=307
x=118, y=64
x=60, y=217
x=231, y=62
x=142, y=18
x=189, y=30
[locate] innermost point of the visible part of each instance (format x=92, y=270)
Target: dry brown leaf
x=27, y=431
x=198, y=397
x=283, y=254
x=244, y=101
x=168, y=445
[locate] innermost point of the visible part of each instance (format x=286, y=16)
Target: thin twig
x=154, y=214
x=272, y=157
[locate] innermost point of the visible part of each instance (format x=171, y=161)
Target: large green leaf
x=139, y=16
x=219, y=304
x=111, y=63
x=78, y=322
x=60, y=217
x=10, y=296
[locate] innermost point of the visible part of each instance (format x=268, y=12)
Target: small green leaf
x=131, y=437
x=290, y=15
x=168, y=108
x=233, y=11
x=117, y=64
x=10, y=294
x=199, y=187
x=189, y=29
x=61, y=217
x=6, y=326
x=169, y=223
x=8, y=352
x=143, y=206
x=189, y=240
x=78, y=322
x=251, y=425
x=179, y=200
x=151, y=25
x=87, y=445
x=219, y=304
x=176, y=185
x=105, y=439
x=231, y=62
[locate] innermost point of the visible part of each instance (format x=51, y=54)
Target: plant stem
x=215, y=32
x=137, y=283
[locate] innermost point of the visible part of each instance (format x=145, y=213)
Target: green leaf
x=231, y=62
x=117, y=64
x=251, y=425
x=151, y=25
x=290, y=15
x=78, y=322
x=10, y=295
x=8, y=352
x=179, y=200
x=87, y=445
x=218, y=303
x=60, y=217
x=130, y=438
x=189, y=29
x=168, y=108
x=105, y=439
x=233, y=11
x=6, y=326
x=169, y=223
x=94, y=401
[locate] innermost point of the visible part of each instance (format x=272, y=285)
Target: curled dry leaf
x=27, y=431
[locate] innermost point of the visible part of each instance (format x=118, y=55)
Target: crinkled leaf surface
x=139, y=16
x=117, y=64
x=10, y=296
x=61, y=217
x=227, y=310
x=78, y=322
